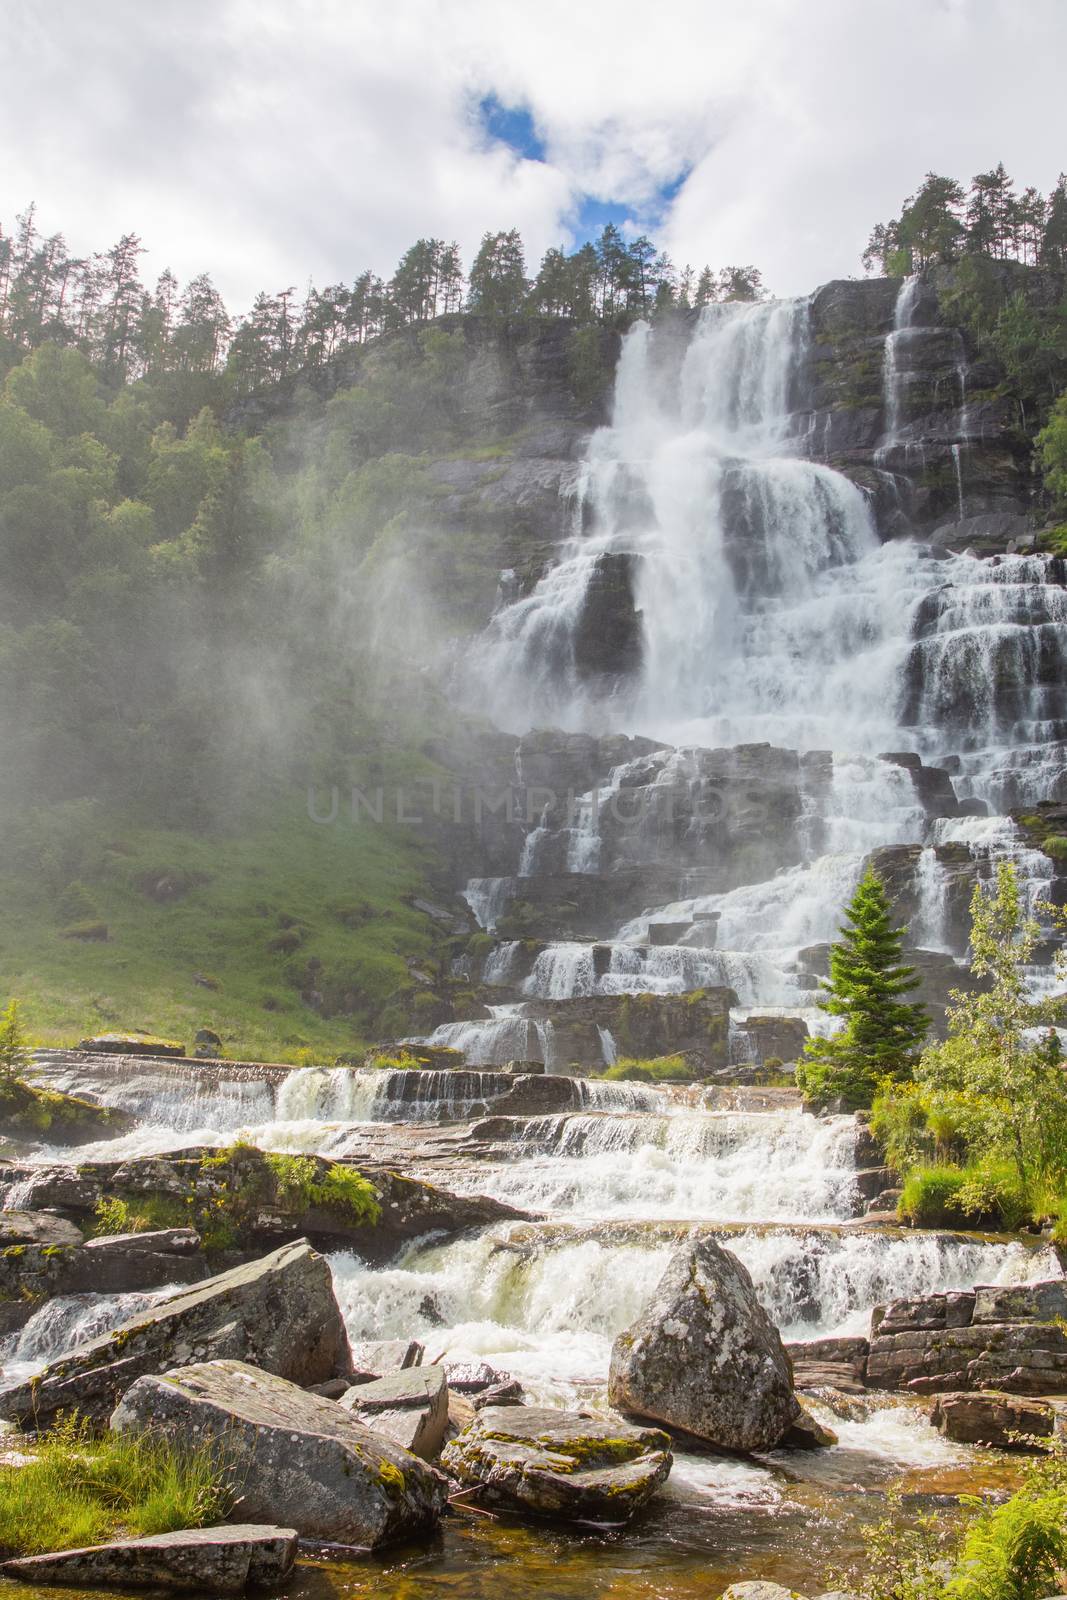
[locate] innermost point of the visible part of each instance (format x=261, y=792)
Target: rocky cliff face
x=916, y=414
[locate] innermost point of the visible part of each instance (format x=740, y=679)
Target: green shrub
x=113, y=1216
x=982, y=1194
x=1056, y=846
x=1016, y=1551
x=993, y=1193
x=930, y=1198
x=657, y=1069
x=80, y=1490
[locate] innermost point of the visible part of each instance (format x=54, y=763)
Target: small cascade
x=65, y=1322
x=507, y=1036
x=957, y=462
x=720, y=1166
x=927, y=929
x=608, y=1046
x=545, y=1303
x=488, y=899
x=894, y=377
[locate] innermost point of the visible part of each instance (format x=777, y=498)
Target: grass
x=242, y=1181
x=210, y=956
x=656, y=1069
x=980, y=1194
x=81, y=1490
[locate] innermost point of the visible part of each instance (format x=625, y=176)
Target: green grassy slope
x=247, y=912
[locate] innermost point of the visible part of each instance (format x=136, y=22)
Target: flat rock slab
x=278, y=1312
x=296, y=1456
x=36, y=1227
x=559, y=1464
x=223, y=1560
x=1022, y=1302
x=379, y=1356
x=704, y=1357
x=160, y=1241
x=410, y=1407
x=1003, y=1421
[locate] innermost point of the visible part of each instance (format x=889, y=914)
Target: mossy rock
x=65, y=1118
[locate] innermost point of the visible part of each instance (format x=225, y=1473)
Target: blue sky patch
x=511, y=125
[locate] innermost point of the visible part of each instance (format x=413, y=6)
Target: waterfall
x=545, y=1302
x=720, y=1166
x=894, y=380
x=928, y=924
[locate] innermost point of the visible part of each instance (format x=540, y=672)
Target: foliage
x=1014, y=1551
x=234, y=1185
x=981, y=1194
x=14, y=1045
x=187, y=345
x=882, y=1031
x=1007, y=1092
x=1052, y=452
x=657, y=1069
x=80, y=1490
x=942, y=221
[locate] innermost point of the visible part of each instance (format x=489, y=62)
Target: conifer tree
x=883, y=1031
x=14, y=1052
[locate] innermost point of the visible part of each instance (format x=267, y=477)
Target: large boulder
x=224, y=1560
x=1000, y=1420
x=704, y=1357
x=297, y=1457
x=559, y=1464
x=278, y=1312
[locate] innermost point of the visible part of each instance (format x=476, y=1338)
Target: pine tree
x=883, y=1031
x=14, y=1052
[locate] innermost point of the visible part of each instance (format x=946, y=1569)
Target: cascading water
x=767, y=614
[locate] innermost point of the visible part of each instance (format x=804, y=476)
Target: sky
x=270, y=142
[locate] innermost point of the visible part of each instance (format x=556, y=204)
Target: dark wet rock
x=32, y=1113
x=223, y=1560
x=36, y=1227
x=410, y=1407
x=704, y=1357
x=607, y=634
x=770, y=1037
x=117, y=1264
x=806, y=1432
x=953, y=1309
x=241, y=1189
x=1003, y=1421
x=510, y=1393
x=559, y=1464
x=298, y=1458
x=159, y=1241
x=695, y=1024
x=278, y=1312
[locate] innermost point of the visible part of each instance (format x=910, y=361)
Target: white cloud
x=273, y=140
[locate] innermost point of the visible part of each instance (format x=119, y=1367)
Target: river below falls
x=613, y=1193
